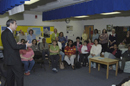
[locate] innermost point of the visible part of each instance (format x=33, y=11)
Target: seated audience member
x=22, y=41
x=70, y=53
x=89, y=44
x=31, y=36
x=62, y=39
x=54, y=55
x=27, y=59
x=60, y=47
x=95, y=51
x=84, y=53
x=77, y=44
x=112, y=38
x=54, y=35
x=115, y=53
x=125, y=57
x=36, y=49
x=44, y=48
x=127, y=38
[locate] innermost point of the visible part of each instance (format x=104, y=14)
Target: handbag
x=62, y=65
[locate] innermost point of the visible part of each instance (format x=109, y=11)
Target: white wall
x=101, y=23
x=29, y=19
x=78, y=26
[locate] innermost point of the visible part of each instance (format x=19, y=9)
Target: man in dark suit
x=11, y=54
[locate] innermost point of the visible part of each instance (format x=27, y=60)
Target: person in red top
x=70, y=53
x=27, y=59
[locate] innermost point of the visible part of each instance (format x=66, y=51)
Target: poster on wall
x=46, y=32
x=69, y=30
x=126, y=29
x=2, y=28
x=109, y=28
x=37, y=31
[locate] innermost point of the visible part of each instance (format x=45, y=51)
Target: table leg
x=116, y=68
x=98, y=67
x=107, y=71
x=89, y=66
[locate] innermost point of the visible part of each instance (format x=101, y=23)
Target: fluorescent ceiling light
x=110, y=13
x=30, y=2
x=80, y=16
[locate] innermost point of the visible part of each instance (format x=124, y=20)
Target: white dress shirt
x=83, y=49
x=96, y=49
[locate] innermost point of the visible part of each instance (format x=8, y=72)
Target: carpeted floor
x=69, y=77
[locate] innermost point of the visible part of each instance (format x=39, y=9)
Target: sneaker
x=27, y=74
x=54, y=70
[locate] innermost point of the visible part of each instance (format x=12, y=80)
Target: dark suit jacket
x=118, y=52
x=11, y=48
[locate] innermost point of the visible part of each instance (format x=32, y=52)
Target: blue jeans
x=45, y=52
x=93, y=64
x=28, y=65
x=62, y=54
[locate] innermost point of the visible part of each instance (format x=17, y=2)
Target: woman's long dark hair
x=68, y=43
x=30, y=31
x=62, y=34
x=35, y=40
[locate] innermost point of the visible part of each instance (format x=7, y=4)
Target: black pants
x=104, y=47
x=124, y=59
x=84, y=58
x=15, y=72
x=54, y=60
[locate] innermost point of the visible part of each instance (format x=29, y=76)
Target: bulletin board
x=25, y=30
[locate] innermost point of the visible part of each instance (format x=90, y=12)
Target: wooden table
x=105, y=61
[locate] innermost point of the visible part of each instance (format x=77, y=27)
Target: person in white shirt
x=95, y=52
x=84, y=53
x=60, y=47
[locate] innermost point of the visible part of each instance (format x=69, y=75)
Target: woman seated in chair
x=95, y=52
x=27, y=59
x=115, y=53
x=70, y=53
x=36, y=50
x=54, y=55
x=84, y=52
